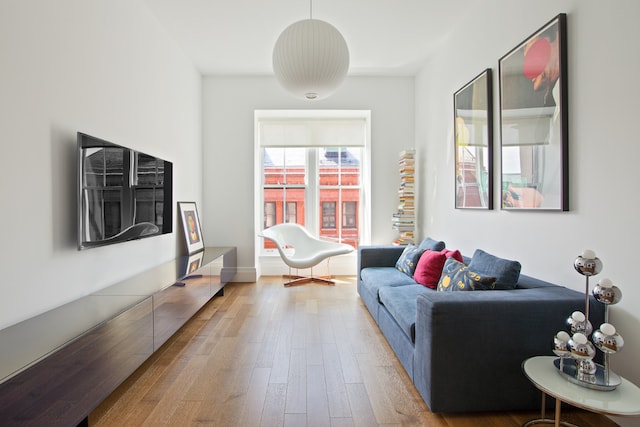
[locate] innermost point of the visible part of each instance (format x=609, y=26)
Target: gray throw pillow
x=505, y=271
x=428, y=244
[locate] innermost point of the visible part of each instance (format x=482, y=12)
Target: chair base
x=299, y=280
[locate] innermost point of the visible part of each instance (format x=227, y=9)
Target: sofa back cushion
x=505, y=271
x=433, y=245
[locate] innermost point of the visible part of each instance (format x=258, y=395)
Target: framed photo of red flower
x=534, y=127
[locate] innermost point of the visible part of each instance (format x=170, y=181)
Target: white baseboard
x=337, y=266
x=344, y=265
x=245, y=275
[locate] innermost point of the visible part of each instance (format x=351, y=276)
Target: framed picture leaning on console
x=191, y=226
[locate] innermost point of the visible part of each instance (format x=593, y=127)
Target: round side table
x=624, y=400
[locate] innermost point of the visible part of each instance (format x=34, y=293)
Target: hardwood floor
x=266, y=355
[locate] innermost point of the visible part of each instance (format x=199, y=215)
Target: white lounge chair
x=299, y=249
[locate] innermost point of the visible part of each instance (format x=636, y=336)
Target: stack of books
x=404, y=218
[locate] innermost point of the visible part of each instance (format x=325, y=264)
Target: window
x=292, y=212
x=322, y=177
x=269, y=214
x=329, y=215
x=339, y=185
x=312, y=172
x=284, y=180
x=349, y=215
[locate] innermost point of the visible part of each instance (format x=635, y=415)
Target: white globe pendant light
x=311, y=59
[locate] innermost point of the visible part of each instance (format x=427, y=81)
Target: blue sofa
x=464, y=350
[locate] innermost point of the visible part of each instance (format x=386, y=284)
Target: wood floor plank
x=212, y=377
x=265, y=355
x=184, y=410
x=383, y=407
x=342, y=422
x=295, y=420
x=255, y=397
x=297, y=383
x=406, y=403
x=337, y=396
x=346, y=351
x=174, y=391
x=274, y=405
x=269, y=342
x=314, y=353
x=282, y=358
x=317, y=401
x=360, y=404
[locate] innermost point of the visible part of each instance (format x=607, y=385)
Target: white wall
x=103, y=67
x=228, y=139
x=604, y=152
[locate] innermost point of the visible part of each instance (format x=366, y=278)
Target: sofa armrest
x=470, y=345
x=378, y=256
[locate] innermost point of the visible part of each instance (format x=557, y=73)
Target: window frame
x=314, y=226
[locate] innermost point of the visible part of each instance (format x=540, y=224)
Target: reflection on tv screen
x=123, y=194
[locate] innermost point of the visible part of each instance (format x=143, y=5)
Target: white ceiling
x=385, y=37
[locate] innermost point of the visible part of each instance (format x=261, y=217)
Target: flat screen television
x=123, y=194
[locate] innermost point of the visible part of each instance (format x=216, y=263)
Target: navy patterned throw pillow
x=457, y=277
x=409, y=259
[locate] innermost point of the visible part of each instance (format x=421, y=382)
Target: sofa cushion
x=409, y=259
x=458, y=277
x=374, y=278
x=402, y=304
x=433, y=245
x=505, y=271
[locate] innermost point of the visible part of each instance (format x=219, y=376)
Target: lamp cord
x=310, y=9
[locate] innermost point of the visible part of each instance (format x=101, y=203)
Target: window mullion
x=313, y=191
x=340, y=208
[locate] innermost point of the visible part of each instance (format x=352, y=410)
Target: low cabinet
x=57, y=367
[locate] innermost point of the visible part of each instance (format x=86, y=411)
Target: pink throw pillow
x=429, y=268
x=455, y=254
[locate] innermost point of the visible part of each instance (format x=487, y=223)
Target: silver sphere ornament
x=577, y=322
x=561, y=344
x=607, y=293
x=588, y=264
x=581, y=348
x=607, y=339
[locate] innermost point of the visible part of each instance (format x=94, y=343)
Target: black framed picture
x=473, y=135
x=534, y=121
x=191, y=226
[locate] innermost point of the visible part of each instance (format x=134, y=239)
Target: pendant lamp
x=310, y=59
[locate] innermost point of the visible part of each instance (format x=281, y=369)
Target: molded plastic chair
x=308, y=251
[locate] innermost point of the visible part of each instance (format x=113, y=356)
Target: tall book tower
x=404, y=218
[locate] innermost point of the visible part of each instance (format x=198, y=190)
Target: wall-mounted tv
x=123, y=194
